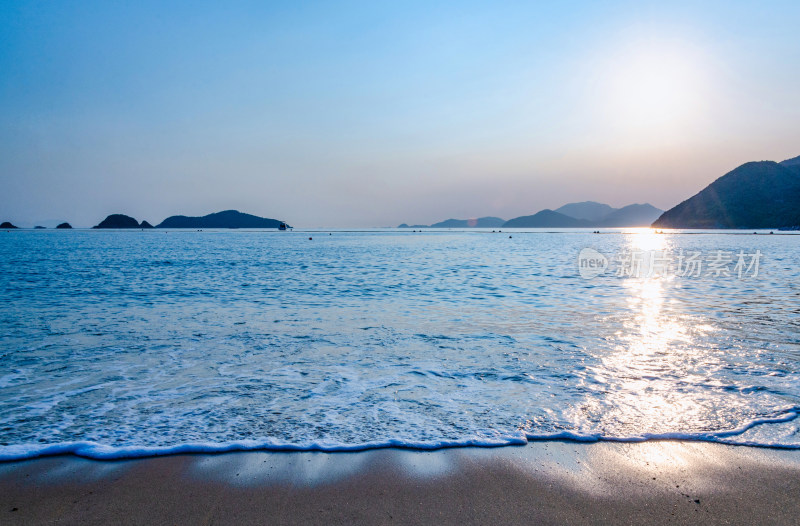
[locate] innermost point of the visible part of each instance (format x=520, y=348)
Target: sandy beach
x=543, y=482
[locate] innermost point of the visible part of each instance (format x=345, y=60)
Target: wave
x=97, y=451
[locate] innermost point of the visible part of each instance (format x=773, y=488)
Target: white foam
x=98, y=451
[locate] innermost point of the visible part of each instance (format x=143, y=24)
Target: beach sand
x=544, y=482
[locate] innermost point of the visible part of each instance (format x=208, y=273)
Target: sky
x=368, y=114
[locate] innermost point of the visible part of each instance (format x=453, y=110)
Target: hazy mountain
x=7, y=225
x=630, y=216
x=226, y=219
x=627, y=216
x=571, y=215
x=589, y=210
x=762, y=194
x=120, y=221
x=63, y=226
x=481, y=222
x=547, y=219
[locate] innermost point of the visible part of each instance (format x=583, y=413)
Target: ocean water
x=130, y=343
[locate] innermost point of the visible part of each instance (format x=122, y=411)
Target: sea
x=120, y=344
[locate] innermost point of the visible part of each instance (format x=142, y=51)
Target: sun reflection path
x=652, y=356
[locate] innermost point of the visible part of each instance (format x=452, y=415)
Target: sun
x=651, y=88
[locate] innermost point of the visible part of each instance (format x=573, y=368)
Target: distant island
x=8, y=225
x=761, y=194
x=122, y=221
x=547, y=219
x=586, y=214
x=589, y=214
x=481, y=222
x=225, y=219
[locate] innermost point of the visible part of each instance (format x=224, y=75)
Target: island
x=7, y=225
x=64, y=226
x=224, y=219
x=121, y=221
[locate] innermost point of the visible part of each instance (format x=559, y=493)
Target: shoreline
x=101, y=452
x=544, y=481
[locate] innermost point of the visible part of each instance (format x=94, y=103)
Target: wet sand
x=544, y=482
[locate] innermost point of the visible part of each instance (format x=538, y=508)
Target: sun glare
x=652, y=89
x=646, y=239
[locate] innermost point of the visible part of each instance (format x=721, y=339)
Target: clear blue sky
x=369, y=114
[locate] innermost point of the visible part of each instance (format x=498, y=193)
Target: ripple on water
x=128, y=343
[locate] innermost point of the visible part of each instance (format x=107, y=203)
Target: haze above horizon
x=355, y=114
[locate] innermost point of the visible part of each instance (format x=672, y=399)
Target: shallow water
x=123, y=343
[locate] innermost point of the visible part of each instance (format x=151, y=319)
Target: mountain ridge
x=635, y=215
x=759, y=194
x=583, y=214
x=630, y=216
x=589, y=210
x=547, y=219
